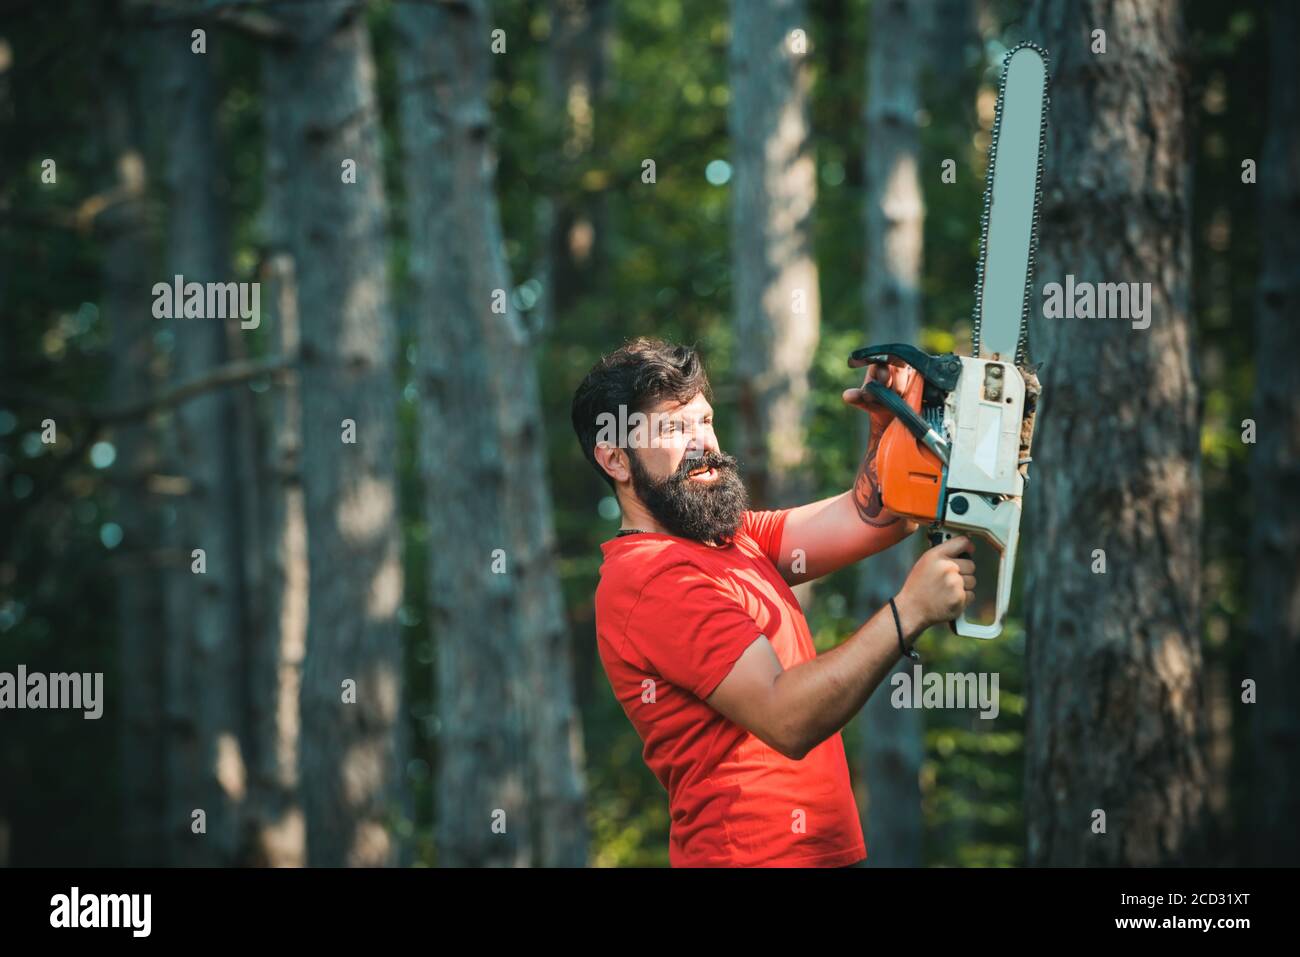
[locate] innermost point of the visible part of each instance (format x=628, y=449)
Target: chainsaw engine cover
x=982, y=419
x=909, y=474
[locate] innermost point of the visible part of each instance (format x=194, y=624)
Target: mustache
x=714, y=460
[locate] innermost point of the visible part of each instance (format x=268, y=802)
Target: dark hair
x=636, y=375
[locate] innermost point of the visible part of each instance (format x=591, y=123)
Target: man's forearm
x=843, y=529
x=830, y=534
x=819, y=696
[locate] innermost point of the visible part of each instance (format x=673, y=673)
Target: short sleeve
x=690, y=628
x=766, y=528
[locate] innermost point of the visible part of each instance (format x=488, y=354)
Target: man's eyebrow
x=668, y=418
x=679, y=417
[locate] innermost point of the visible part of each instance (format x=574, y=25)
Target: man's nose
x=699, y=444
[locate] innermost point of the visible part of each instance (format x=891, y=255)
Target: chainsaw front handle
x=941, y=371
x=896, y=404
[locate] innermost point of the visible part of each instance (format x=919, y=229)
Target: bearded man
x=704, y=643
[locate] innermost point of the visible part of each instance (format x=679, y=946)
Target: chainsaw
x=956, y=451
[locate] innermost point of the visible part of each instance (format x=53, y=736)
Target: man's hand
x=866, y=487
x=897, y=377
x=822, y=537
x=939, y=586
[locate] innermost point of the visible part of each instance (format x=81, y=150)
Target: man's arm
x=824, y=536
x=796, y=710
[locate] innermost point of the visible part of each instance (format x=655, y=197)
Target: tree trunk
x=1274, y=561
x=1114, y=719
x=146, y=830
x=205, y=662
x=504, y=686
x=776, y=296
x=953, y=34
x=573, y=223
x=276, y=834
x=891, y=748
x=351, y=680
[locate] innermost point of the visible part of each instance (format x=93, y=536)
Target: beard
x=708, y=512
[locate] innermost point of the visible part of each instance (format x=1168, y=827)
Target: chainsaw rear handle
x=938, y=536
x=999, y=525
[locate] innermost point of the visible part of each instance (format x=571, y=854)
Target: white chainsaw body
x=982, y=423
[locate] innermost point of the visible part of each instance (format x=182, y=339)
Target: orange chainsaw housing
x=910, y=475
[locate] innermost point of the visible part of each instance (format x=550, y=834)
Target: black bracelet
x=908, y=652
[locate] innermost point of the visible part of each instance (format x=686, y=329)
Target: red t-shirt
x=672, y=618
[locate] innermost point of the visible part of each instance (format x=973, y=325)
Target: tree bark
x=892, y=748
x=205, y=617
x=510, y=789
x=123, y=228
x=574, y=220
x=327, y=116
x=275, y=829
x=1274, y=560
x=775, y=289
x=953, y=33
x=1114, y=719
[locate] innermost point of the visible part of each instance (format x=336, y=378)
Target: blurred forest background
x=796, y=144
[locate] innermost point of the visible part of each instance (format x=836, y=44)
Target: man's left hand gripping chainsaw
x=956, y=454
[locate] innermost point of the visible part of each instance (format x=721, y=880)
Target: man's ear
x=613, y=461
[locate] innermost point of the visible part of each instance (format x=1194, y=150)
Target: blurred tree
x=953, y=32
x=574, y=226
x=204, y=659
x=482, y=751
x=891, y=749
x=328, y=126
x=776, y=298
x=1114, y=656
x=276, y=831
x=510, y=735
x=1274, y=558
x=148, y=830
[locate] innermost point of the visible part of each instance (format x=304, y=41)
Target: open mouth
x=705, y=473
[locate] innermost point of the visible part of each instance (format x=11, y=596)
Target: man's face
x=681, y=476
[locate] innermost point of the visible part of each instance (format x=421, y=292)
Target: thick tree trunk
x=892, y=749
x=504, y=686
x=1275, y=464
x=205, y=660
x=146, y=830
x=1114, y=718
x=351, y=681
x=276, y=830
x=775, y=291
